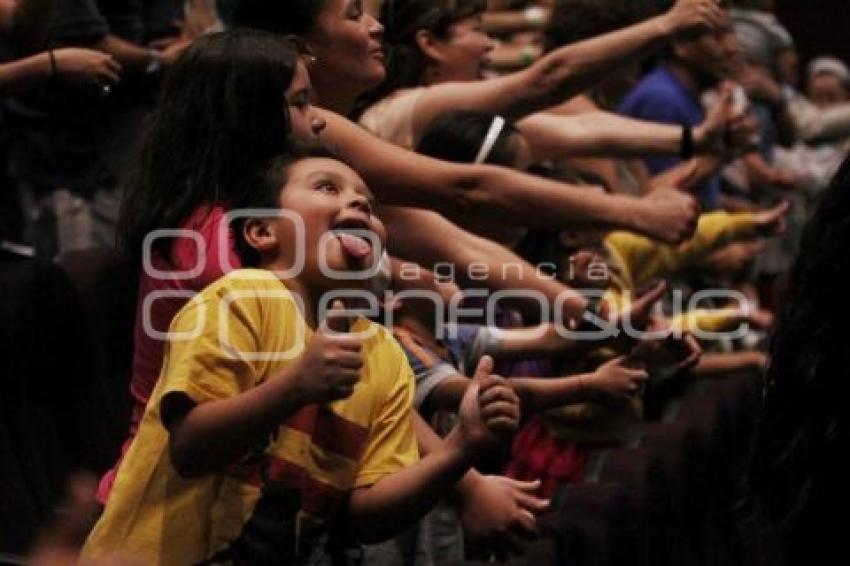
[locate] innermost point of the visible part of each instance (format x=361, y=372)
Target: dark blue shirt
x=661, y=97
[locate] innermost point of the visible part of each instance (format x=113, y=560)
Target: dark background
x=820, y=27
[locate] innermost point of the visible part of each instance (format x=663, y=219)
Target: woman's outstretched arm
x=569, y=70
x=496, y=194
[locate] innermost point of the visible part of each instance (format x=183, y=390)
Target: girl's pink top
x=166, y=284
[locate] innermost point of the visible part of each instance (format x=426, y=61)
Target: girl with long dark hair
x=230, y=104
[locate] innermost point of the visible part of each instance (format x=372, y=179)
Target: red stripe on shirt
x=319, y=499
x=330, y=432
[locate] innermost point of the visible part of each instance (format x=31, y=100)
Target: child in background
x=443, y=356
x=268, y=426
x=629, y=263
x=442, y=363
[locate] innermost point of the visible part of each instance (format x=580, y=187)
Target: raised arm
x=569, y=70
x=613, y=381
x=488, y=409
x=595, y=134
x=580, y=128
x=496, y=194
x=80, y=66
x=470, y=255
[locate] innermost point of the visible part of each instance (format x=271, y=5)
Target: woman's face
x=464, y=54
x=347, y=45
x=306, y=125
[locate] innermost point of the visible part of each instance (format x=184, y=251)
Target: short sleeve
x=427, y=380
x=207, y=357
x=391, y=445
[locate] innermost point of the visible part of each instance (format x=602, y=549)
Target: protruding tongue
x=354, y=246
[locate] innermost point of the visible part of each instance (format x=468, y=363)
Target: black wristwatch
x=687, y=149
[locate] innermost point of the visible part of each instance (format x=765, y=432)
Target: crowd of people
x=406, y=266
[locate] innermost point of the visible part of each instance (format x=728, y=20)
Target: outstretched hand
x=498, y=512
x=687, y=16
x=330, y=367
x=667, y=214
x=489, y=410
x=772, y=222
x=615, y=382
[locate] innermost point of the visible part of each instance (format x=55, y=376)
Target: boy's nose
x=361, y=203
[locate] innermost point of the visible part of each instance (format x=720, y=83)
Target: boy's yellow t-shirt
x=231, y=337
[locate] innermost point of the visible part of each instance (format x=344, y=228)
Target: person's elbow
x=367, y=524
x=477, y=193
x=186, y=462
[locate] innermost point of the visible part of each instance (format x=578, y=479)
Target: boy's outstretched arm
x=208, y=437
x=612, y=382
x=489, y=409
x=493, y=510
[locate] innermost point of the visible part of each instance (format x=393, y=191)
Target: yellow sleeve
x=213, y=359
x=707, y=320
x=641, y=260
x=391, y=445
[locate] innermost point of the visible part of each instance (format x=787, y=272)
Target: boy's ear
x=259, y=234
x=430, y=45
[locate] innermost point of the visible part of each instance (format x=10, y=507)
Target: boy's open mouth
x=351, y=235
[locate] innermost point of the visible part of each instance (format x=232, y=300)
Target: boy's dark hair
x=458, y=137
x=262, y=192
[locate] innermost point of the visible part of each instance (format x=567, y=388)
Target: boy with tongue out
x=270, y=422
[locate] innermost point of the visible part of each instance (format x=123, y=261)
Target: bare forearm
x=478, y=262
x=493, y=194
x=598, y=134
x=430, y=442
x=213, y=435
x=534, y=342
x=540, y=203
x=382, y=510
x=577, y=67
x=25, y=73
x=132, y=57
x=540, y=394
x=526, y=288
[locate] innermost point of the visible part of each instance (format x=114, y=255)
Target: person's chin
x=377, y=73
